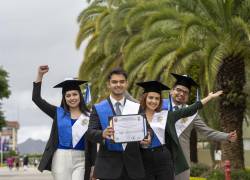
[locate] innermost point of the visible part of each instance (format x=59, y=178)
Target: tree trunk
x=231, y=79
x=193, y=147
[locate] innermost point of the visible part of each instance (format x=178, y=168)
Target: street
x=30, y=174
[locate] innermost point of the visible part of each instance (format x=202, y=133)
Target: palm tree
x=226, y=49
x=102, y=22
x=221, y=38
x=133, y=30
x=157, y=48
x=214, y=32
x=94, y=25
x=150, y=39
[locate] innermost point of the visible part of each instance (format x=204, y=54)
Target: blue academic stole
x=165, y=104
x=155, y=142
x=64, y=127
x=104, y=111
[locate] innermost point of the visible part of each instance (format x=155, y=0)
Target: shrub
x=198, y=170
x=235, y=175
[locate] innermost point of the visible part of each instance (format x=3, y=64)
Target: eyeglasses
x=179, y=90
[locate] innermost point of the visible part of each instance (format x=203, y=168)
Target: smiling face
x=72, y=98
x=152, y=101
x=180, y=94
x=117, y=85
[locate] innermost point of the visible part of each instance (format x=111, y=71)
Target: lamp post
x=1, y=150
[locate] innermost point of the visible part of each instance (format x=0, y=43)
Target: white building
x=8, y=135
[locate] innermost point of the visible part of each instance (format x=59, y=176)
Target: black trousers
x=158, y=163
x=124, y=176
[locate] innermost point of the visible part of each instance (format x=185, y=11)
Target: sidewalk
x=30, y=173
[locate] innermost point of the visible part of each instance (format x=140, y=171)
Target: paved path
x=29, y=174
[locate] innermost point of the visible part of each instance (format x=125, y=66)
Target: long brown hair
x=143, y=102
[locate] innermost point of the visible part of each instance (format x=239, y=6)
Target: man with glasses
x=179, y=98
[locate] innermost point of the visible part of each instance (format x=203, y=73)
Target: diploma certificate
x=128, y=128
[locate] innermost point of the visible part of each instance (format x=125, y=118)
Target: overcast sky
x=35, y=32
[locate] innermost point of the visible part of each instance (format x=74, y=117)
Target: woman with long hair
x=64, y=152
x=164, y=158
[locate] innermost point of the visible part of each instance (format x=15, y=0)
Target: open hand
x=216, y=94
x=232, y=136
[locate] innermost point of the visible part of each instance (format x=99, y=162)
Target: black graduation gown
x=51, y=146
x=111, y=164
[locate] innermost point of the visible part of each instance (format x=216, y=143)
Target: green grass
x=197, y=178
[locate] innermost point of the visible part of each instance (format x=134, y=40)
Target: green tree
x=4, y=92
x=226, y=49
x=151, y=39
x=216, y=33
x=106, y=34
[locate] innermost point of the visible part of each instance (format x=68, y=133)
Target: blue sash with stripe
x=155, y=142
x=104, y=111
x=64, y=127
x=165, y=104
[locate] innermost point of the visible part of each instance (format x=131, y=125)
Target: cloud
x=33, y=33
x=22, y=109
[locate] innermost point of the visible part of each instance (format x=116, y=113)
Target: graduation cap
x=153, y=86
x=70, y=84
x=184, y=80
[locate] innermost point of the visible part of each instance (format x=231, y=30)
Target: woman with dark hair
x=164, y=158
x=64, y=152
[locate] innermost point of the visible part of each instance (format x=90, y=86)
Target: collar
x=113, y=101
x=179, y=106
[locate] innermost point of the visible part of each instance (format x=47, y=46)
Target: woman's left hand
x=146, y=141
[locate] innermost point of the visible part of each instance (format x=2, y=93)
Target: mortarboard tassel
x=170, y=103
x=197, y=95
x=87, y=97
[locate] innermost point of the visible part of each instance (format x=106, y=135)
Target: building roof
x=12, y=124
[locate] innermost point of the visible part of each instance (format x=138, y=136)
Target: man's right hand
x=108, y=133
